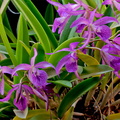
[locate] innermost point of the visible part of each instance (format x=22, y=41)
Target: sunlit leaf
x=114, y=116
x=33, y=113
x=89, y=60
x=95, y=70
x=64, y=83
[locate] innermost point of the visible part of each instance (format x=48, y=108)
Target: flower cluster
x=38, y=79
x=90, y=25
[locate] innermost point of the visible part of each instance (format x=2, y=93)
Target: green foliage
x=75, y=93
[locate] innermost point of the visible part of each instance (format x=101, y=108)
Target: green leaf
x=75, y=93
x=37, y=27
x=49, y=14
x=22, y=35
x=95, y=70
x=10, y=35
x=67, y=1
x=6, y=42
x=41, y=20
x=6, y=62
x=33, y=113
x=64, y=83
x=54, y=58
x=89, y=60
x=114, y=116
x=69, y=114
x=3, y=49
x=91, y=3
x=3, y=7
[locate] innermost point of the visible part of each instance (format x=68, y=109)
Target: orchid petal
x=73, y=45
x=62, y=62
x=92, y=15
x=21, y=67
x=21, y=104
x=80, y=21
x=117, y=5
x=57, y=23
x=43, y=64
x=78, y=12
x=107, y=2
x=80, y=28
x=88, y=39
x=105, y=20
x=103, y=32
x=63, y=24
x=117, y=40
x=8, y=95
x=29, y=89
x=38, y=94
x=32, y=62
x=6, y=69
x=38, y=77
x=71, y=65
x=2, y=86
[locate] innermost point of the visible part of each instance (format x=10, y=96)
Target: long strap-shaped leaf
x=6, y=42
x=39, y=17
x=43, y=38
x=75, y=93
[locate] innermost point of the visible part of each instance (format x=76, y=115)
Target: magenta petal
x=71, y=65
x=80, y=28
x=92, y=15
x=80, y=21
x=2, y=86
x=117, y=5
x=117, y=40
x=105, y=20
x=38, y=94
x=73, y=45
x=38, y=77
x=21, y=67
x=6, y=69
x=57, y=23
x=107, y=2
x=63, y=24
x=43, y=64
x=21, y=104
x=28, y=89
x=103, y=32
x=8, y=95
x=32, y=62
x=61, y=63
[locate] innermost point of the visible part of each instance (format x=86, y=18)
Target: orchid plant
x=47, y=70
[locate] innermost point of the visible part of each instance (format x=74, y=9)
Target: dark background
x=13, y=18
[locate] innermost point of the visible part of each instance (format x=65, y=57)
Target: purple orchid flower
x=70, y=60
x=111, y=56
x=37, y=77
x=98, y=27
x=65, y=12
x=23, y=93
x=20, y=101
x=3, y=70
x=112, y=2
